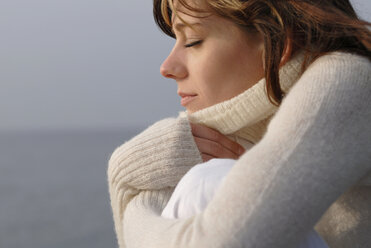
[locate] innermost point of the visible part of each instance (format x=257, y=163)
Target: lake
x=53, y=188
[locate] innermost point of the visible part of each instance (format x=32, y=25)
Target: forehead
x=187, y=14
x=179, y=27
x=194, y=20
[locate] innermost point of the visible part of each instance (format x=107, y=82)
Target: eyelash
x=193, y=43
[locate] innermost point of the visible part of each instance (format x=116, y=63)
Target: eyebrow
x=180, y=26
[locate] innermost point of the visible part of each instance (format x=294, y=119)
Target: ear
x=287, y=52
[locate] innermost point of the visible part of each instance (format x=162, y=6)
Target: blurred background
x=77, y=79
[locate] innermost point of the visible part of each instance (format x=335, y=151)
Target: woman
x=291, y=77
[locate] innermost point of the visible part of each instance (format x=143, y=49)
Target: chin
x=193, y=109
x=189, y=111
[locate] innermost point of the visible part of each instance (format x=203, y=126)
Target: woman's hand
x=213, y=144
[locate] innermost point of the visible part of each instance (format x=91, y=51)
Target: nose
x=173, y=66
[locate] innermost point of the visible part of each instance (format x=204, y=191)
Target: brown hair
x=314, y=26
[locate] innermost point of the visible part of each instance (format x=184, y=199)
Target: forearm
x=155, y=159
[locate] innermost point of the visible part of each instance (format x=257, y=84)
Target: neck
x=245, y=117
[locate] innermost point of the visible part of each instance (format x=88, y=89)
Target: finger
x=214, y=149
x=202, y=131
x=206, y=157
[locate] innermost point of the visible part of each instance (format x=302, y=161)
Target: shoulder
x=336, y=76
x=341, y=67
x=342, y=58
x=334, y=91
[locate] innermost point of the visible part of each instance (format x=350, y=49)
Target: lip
x=186, y=98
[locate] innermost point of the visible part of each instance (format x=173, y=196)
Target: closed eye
x=193, y=43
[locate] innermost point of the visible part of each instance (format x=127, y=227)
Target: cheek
x=225, y=73
x=211, y=75
x=248, y=62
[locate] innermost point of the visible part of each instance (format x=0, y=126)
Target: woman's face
x=214, y=63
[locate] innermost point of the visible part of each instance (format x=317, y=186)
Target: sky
x=86, y=64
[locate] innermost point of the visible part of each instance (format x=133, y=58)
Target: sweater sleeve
x=157, y=158
x=316, y=147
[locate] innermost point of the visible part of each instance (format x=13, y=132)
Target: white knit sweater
x=310, y=166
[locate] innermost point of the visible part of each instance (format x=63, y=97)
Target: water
x=53, y=188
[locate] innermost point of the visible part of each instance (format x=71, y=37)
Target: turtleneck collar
x=247, y=115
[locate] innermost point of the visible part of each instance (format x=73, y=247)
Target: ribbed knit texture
x=154, y=159
x=248, y=114
x=310, y=166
